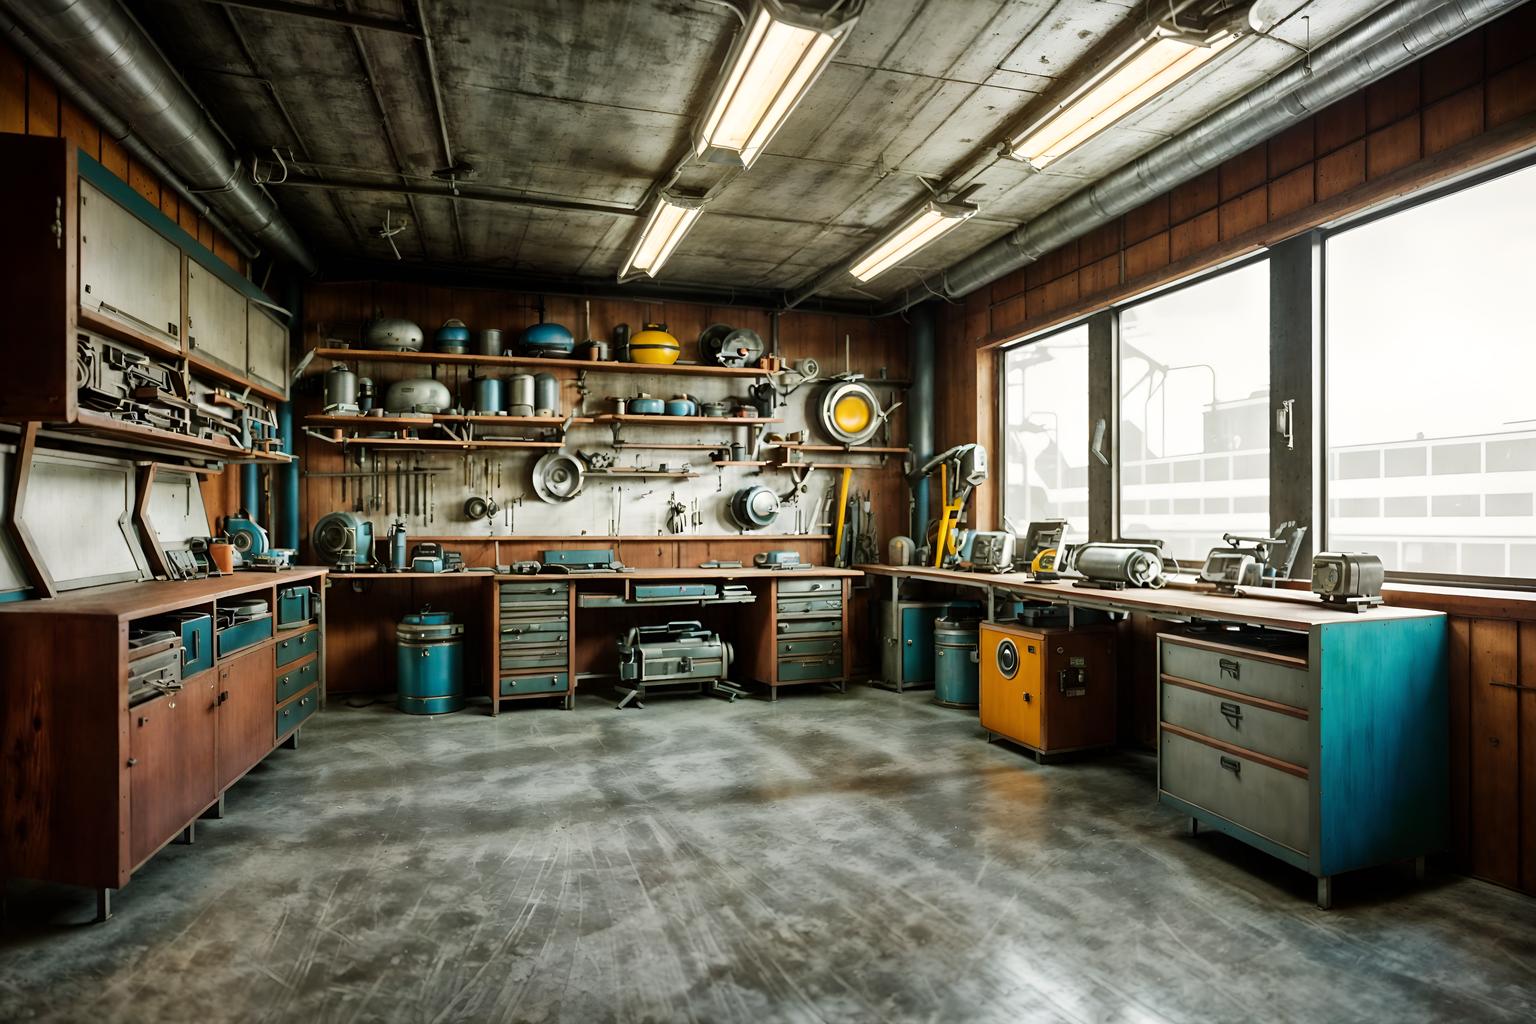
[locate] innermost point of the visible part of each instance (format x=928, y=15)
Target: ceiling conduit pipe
x=1363, y=54
x=112, y=59
x=114, y=127
x=921, y=335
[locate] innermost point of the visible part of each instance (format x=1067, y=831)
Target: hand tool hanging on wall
x=842, y=517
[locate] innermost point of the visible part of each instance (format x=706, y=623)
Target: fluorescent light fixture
x=927, y=224
x=773, y=63
x=668, y=222
x=1120, y=87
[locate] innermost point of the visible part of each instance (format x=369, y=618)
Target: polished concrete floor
x=858, y=857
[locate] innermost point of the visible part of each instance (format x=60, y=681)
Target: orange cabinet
x=1050, y=690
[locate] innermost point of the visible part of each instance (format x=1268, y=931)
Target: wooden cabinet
x=129, y=273
x=1049, y=690
x=246, y=695
x=171, y=742
x=216, y=319
x=266, y=349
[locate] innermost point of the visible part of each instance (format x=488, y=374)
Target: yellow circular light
x=852, y=413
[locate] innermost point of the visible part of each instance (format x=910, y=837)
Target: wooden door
x=37, y=276
x=1031, y=689
x=247, y=720
x=171, y=773
x=1004, y=708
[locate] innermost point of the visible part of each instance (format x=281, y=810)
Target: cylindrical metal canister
x=429, y=659
x=488, y=342
x=488, y=395
x=954, y=663
x=340, y=390
x=546, y=395
x=520, y=397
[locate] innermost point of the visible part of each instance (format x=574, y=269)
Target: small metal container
x=488, y=395
x=955, y=674
x=488, y=342
x=429, y=660
x=546, y=395
x=520, y=400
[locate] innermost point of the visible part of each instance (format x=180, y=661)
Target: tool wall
x=640, y=480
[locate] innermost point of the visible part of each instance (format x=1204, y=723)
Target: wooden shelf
x=649, y=447
x=99, y=424
x=529, y=421
x=435, y=444
x=839, y=448
x=209, y=368
x=673, y=474
x=362, y=355
x=368, y=422
x=734, y=462
x=574, y=539
x=723, y=421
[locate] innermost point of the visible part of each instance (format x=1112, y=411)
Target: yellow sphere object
x=852, y=413
x=654, y=345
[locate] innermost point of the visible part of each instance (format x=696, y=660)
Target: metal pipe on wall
x=1398, y=35
x=113, y=60
x=921, y=334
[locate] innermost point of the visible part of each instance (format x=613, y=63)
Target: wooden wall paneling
x=78, y=128
x=13, y=91
x=42, y=106
x=1527, y=787
x=114, y=157
x=1494, y=764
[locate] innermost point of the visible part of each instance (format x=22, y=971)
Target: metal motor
x=1119, y=565
x=343, y=540
x=683, y=656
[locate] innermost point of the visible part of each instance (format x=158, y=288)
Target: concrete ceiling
x=591, y=102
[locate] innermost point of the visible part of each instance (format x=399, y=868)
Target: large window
x=1045, y=432
x=1431, y=353
x=1194, y=413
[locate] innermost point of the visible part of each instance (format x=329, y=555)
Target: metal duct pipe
x=921, y=332
x=114, y=126
x=1401, y=33
x=113, y=60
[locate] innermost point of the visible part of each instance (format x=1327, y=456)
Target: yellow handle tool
x=842, y=515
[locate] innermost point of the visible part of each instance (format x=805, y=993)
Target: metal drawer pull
x=1232, y=765
x=1229, y=667
x=1233, y=713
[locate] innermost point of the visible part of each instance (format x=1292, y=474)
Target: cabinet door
x=171, y=781
x=129, y=272
x=268, y=349
x=1032, y=696
x=216, y=325
x=246, y=697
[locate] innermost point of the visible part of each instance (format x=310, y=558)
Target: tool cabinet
x=802, y=635
x=1325, y=748
x=534, y=644
x=1049, y=690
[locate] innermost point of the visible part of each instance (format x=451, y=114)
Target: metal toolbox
x=295, y=606
x=196, y=630
x=1256, y=673
x=292, y=648
x=1266, y=801
x=555, y=682
x=244, y=634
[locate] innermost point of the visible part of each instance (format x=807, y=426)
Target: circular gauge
x=849, y=412
x=1007, y=659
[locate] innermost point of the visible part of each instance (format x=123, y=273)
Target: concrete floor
x=858, y=857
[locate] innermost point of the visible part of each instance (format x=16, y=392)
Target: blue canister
x=397, y=547
x=452, y=337
x=488, y=399
x=429, y=661
x=954, y=663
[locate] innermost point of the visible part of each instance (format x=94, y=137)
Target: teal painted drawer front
x=1261, y=799
x=801, y=605
x=534, y=593
x=1237, y=670
x=556, y=682
x=810, y=627
x=811, y=586
x=533, y=658
x=292, y=648
x=243, y=634
x=301, y=678
x=290, y=715
x=535, y=630
x=1240, y=722
x=801, y=648
x=795, y=670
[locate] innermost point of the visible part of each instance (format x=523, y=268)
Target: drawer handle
x=1232, y=765
x=1233, y=713
x=1230, y=667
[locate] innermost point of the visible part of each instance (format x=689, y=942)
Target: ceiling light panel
x=929, y=223
x=774, y=63
x=668, y=222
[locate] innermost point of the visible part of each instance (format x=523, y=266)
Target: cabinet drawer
x=290, y=715
x=533, y=658
x=557, y=682
x=810, y=627
x=292, y=648
x=547, y=624
x=802, y=605
x=794, y=670
x=1232, y=668
x=533, y=588
x=243, y=634
x=301, y=678
x=801, y=648
x=811, y=586
x=1238, y=721
x=1248, y=793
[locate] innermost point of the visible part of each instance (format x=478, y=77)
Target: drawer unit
x=1228, y=667
x=292, y=714
x=291, y=648
x=1267, y=728
x=297, y=679
x=244, y=634
x=554, y=682
x=804, y=605
x=1253, y=795
x=814, y=585
x=804, y=670
x=803, y=648
x=816, y=626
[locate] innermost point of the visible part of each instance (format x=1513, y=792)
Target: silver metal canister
x=488, y=395
x=546, y=395
x=340, y=390
x=520, y=399
x=488, y=342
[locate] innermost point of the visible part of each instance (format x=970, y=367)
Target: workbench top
x=688, y=573
x=136, y=600
x=1282, y=609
